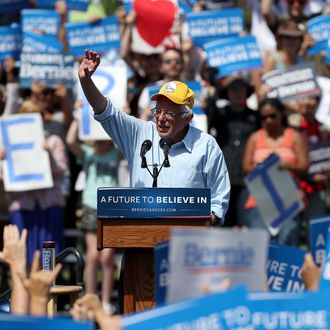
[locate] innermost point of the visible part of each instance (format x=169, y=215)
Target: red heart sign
x=154, y=19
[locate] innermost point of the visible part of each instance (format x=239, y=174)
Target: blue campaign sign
x=318, y=232
x=275, y=191
x=36, y=43
x=206, y=26
x=196, y=87
x=289, y=310
x=207, y=312
x=319, y=28
x=52, y=69
x=161, y=271
x=232, y=55
x=325, y=275
x=99, y=36
x=14, y=322
x=283, y=268
x=8, y=6
x=153, y=202
x=45, y=22
x=10, y=42
x=70, y=4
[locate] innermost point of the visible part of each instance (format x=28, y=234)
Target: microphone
x=145, y=147
x=166, y=144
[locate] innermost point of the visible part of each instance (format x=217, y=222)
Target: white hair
x=186, y=111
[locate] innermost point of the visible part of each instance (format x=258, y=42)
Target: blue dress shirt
x=196, y=162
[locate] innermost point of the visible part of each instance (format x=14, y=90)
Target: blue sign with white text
x=319, y=28
x=153, y=202
x=161, y=271
x=10, y=42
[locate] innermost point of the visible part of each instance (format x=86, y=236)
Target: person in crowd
x=204, y=164
x=275, y=137
x=41, y=211
x=100, y=162
x=28, y=295
x=231, y=124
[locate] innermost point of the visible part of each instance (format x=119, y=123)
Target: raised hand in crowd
x=310, y=273
x=38, y=285
x=14, y=254
x=89, y=307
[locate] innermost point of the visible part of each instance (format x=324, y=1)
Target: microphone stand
x=155, y=171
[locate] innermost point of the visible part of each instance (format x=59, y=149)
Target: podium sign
x=153, y=203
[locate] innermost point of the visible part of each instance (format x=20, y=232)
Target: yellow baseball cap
x=177, y=92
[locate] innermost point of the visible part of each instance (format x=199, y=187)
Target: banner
x=100, y=36
x=27, y=164
x=318, y=232
x=36, y=43
x=155, y=28
x=10, y=42
x=319, y=28
x=277, y=196
x=293, y=82
x=283, y=268
x=198, y=257
x=110, y=83
x=45, y=22
x=233, y=55
x=17, y=322
x=207, y=312
x=207, y=26
x=319, y=158
x=153, y=203
x=51, y=69
x=70, y=4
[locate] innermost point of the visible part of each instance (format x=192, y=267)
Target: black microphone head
x=165, y=143
x=147, y=144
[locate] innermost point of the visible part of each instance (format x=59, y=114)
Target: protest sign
x=325, y=274
x=109, y=81
x=18, y=322
x=10, y=42
x=294, y=82
x=319, y=158
x=100, y=36
x=27, y=164
x=277, y=196
x=323, y=114
x=162, y=271
x=8, y=6
x=233, y=55
x=283, y=268
x=36, y=43
x=199, y=257
x=319, y=28
x=206, y=26
x=51, y=69
x=70, y=4
x=318, y=232
x=207, y=312
x=45, y=22
x=154, y=27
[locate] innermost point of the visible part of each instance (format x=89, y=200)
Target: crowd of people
x=245, y=127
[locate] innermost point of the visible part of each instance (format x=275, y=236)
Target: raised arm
x=87, y=67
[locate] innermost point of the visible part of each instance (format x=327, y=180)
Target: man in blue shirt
x=195, y=157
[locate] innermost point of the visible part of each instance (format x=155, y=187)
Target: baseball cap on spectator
x=177, y=92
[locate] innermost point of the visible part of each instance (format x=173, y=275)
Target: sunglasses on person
x=168, y=114
x=177, y=61
x=271, y=116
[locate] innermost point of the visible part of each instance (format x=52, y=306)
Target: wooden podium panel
x=138, y=237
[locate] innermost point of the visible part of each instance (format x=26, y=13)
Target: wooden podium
x=138, y=237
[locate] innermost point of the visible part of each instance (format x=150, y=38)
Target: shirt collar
x=188, y=140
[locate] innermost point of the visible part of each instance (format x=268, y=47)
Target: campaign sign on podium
x=153, y=202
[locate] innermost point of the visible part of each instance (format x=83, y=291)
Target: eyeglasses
x=168, y=114
x=177, y=61
x=271, y=116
